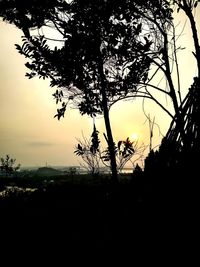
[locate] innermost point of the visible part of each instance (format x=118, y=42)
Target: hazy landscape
x=126, y=75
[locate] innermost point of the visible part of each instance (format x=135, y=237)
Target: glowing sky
x=28, y=131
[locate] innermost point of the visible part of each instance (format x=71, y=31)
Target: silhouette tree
x=8, y=165
x=163, y=55
x=124, y=152
x=103, y=54
x=166, y=62
x=188, y=7
x=90, y=152
x=93, y=155
x=183, y=134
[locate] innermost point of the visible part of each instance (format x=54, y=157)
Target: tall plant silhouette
x=102, y=54
x=93, y=156
x=7, y=165
x=90, y=153
x=125, y=151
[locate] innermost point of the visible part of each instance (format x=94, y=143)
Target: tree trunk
x=188, y=11
x=178, y=112
x=110, y=141
x=195, y=36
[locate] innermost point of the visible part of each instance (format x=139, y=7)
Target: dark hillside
x=101, y=217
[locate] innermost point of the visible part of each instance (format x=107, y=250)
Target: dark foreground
x=146, y=222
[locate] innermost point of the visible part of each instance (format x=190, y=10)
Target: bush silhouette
x=8, y=165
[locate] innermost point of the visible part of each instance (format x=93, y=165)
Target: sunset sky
x=28, y=131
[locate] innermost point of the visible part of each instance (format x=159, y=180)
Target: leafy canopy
x=7, y=165
x=107, y=33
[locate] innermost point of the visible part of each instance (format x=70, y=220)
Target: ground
x=97, y=215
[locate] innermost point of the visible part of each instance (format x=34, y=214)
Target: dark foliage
x=103, y=56
x=174, y=167
x=94, y=146
x=92, y=32
x=90, y=152
x=8, y=165
x=124, y=149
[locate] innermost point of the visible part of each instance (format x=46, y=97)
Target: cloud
x=40, y=144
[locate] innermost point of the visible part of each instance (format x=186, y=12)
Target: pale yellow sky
x=28, y=131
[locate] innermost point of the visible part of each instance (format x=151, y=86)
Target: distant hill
x=48, y=171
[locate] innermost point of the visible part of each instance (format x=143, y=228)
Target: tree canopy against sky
x=104, y=49
x=103, y=56
x=112, y=30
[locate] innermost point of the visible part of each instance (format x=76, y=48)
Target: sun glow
x=134, y=137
